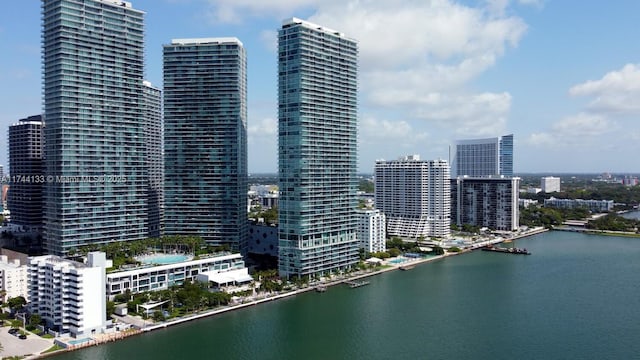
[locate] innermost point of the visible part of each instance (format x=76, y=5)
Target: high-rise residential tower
x=484, y=157
x=490, y=202
x=24, y=198
x=205, y=139
x=155, y=159
x=95, y=154
x=414, y=195
x=317, y=149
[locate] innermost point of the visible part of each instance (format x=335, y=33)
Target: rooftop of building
x=207, y=41
x=296, y=21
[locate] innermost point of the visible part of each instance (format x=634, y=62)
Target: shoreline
x=105, y=338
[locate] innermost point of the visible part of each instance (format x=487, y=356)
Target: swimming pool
x=397, y=261
x=163, y=259
x=79, y=341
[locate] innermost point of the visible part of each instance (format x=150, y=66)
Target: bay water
x=576, y=297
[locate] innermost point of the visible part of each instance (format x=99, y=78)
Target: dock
x=355, y=284
x=507, y=250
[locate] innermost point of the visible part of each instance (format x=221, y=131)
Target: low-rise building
x=160, y=277
x=525, y=203
x=69, y=295
x=599, y=206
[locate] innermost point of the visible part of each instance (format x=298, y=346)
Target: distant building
x=486, y=202
x=525, y=203
x=414, y=195
x=317, y=149
x=630, y=180
x=205, y=140
x=13, y=279
x=69, y=295
x=372, y=234
x=550, y=184
x=24, y=197
x=598, y=206
x=483, y=157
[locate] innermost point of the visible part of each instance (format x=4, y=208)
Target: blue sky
x=562, y=76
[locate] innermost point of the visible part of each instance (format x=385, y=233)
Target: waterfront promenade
x=147, y=326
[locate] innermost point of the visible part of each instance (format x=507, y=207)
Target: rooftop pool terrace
x=163, y=259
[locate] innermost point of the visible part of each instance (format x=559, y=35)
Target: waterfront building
x=598, y=206
x=550, y=184
x=372, y=230
x=205, y=140
x=69, y=295
x=155, y=159
x=414, y=195
x=317, y=149
x=484, y=157
x=486, y=202
x=95, y=156
x=13, y=279
x=151, y=277
x=263, y=239
x=24, y=198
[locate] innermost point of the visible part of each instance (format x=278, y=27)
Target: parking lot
x=13, y=346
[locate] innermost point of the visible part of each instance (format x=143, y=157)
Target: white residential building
x=372, y=231
x=414, y=195
x=550, y=184
x=13, y=278
x=161, y=277
x=598, y=206
x=69, y=295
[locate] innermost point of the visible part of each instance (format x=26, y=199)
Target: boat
x=517, y=251
x=355, y=284
x=407, y=267
x=321, y=288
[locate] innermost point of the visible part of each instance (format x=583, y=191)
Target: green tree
x=16, y=303
x=35, y=320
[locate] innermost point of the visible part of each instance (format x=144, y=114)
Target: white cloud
x=580, y=130
x=266, y=127
x=270, y=40
x=235, y=11
x=615, y=92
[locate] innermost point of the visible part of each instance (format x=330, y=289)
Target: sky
x=562, y=76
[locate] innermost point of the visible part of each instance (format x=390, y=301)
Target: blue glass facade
x=317, y=149
x=205, y=116
x=484, y=157
x=93, y=59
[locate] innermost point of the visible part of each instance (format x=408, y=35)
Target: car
x=12, y=331
x=22, y=336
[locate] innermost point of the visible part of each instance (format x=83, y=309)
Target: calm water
x=576, y=297
x=632, y=215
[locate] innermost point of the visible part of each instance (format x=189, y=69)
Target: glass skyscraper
x=155, y=159
x=317, y=149
x=205, y=117
x=484, y=157
x=24, y=197
x=95, y=154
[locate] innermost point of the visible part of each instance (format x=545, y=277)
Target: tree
x=35, y=320
x=16, y=303
x=158, y=316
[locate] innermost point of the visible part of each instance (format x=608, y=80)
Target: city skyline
x=561, y=81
